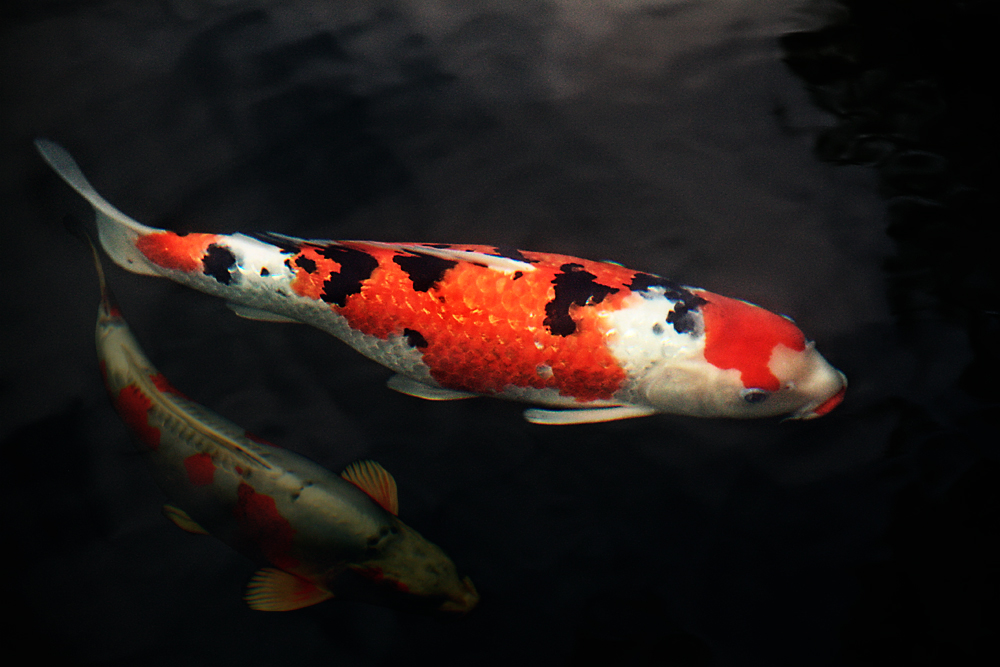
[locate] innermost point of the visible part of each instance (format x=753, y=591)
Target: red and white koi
x=590, y=341
x=325, y=535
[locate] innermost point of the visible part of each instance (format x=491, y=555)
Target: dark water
x=841, y=175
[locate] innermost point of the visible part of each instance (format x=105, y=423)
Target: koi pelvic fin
x=376, y=481
x=250, y=313
x=271, y=589
x=587, y=415
x=411, y=387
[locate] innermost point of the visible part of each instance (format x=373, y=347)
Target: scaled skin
x=589, y=341
x=325, y=536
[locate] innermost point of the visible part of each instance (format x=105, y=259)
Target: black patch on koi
x=512, y=253
x=217, y=262
x=414, y=338
x=641, y=282
x=264, y=271
x=424, y=270
x=285, y=245
x=518, y=274
x=680, y=317
x=308, y=264
x=356, y=267
x=572, y=286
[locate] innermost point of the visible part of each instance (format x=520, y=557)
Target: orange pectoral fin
x=271, y=589
x=376, y=481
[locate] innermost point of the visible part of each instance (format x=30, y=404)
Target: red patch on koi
x=304, y=589
x=742, y=336
x=160, y=382
x=111, y=311
x=200, y=469
x=173, y=251
x=250, y=436
x=484, y=329
x=259, y=520
x=134, y=407
x=377, y=575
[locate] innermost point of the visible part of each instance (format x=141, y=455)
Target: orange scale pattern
x=485, y=329
x=387, y=303
x=308, y=284
x=175, y=251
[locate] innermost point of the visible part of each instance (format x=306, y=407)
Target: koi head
x=408, y=570
x=753, y=364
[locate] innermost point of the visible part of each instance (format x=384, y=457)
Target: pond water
x=811, y=174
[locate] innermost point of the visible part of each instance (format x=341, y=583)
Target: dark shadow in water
x=910, y=87
x=616, y=630
x=57, y=515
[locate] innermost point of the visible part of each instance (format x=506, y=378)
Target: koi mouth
x=830, y=403
x=464, y=601
x=824, y=407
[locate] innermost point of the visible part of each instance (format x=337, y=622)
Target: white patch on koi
x=252, y=255
x=640, y=338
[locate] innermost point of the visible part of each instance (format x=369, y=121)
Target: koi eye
x=657, y=328
x=754, y=396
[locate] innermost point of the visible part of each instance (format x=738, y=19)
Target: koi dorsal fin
x=376, y=481
x=493, y=262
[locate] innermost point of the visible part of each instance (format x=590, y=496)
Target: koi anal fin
x=271, y=589
x=182, y=520
x=411, y=387
x=116, y=230
x=585, y=416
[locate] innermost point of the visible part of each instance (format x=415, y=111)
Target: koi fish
x=590, y=341
x=325, y=535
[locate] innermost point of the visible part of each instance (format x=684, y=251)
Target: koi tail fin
x=116, y=230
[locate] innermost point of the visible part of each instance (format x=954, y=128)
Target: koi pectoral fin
x=271, y=589
x=182, y=520
x=411, y=387
x=586, y=415
x=376, y=481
